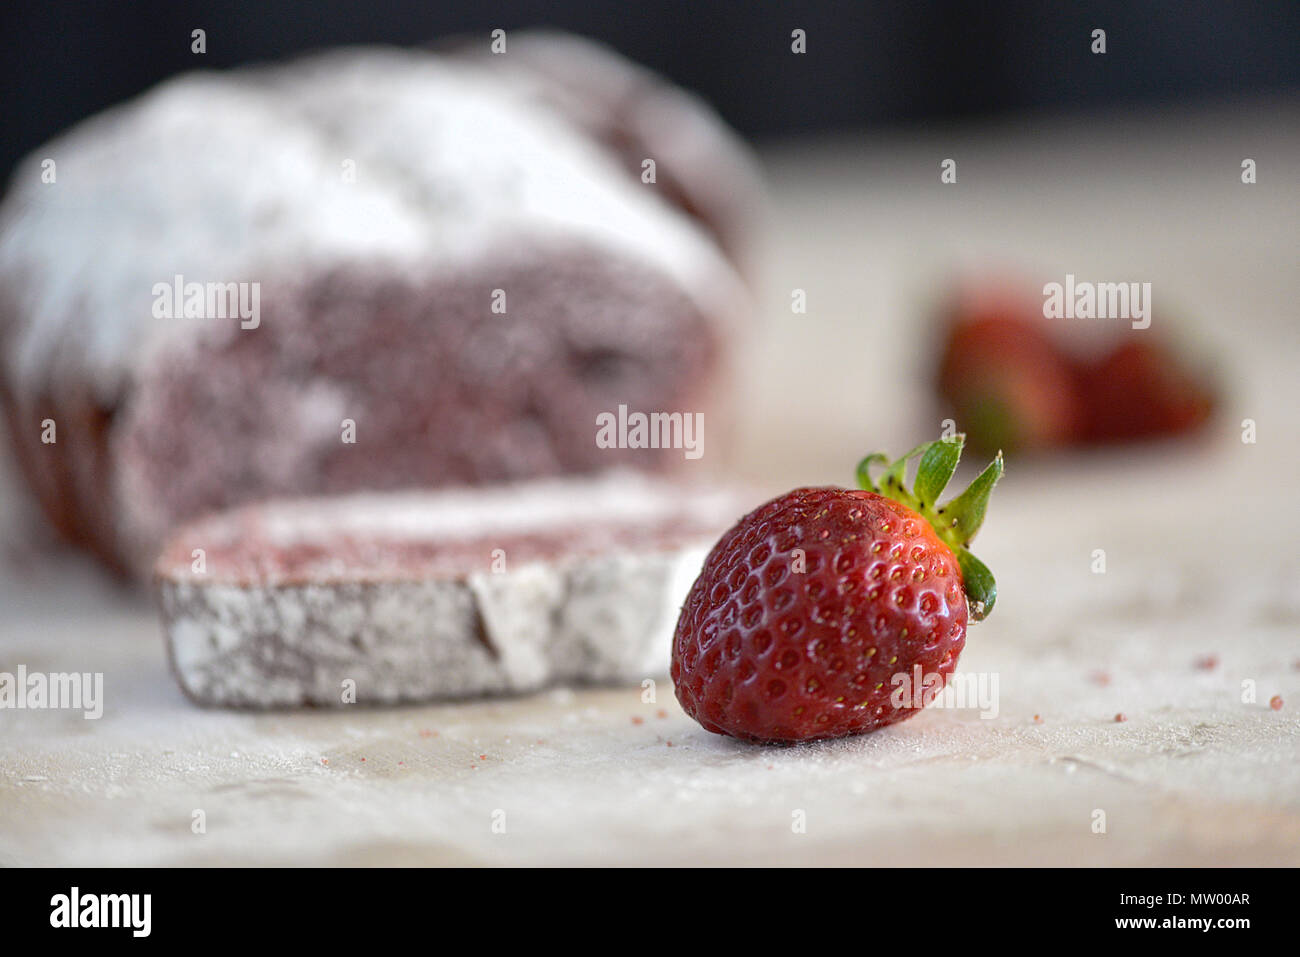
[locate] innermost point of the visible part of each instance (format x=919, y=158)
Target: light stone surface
x=1200, y=543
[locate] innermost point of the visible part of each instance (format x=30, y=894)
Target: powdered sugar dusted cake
x=383, y=598
x=443, y=281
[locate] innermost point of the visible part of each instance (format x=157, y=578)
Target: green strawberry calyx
x=957, y=520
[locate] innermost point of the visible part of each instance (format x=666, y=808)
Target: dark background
x=868, y=63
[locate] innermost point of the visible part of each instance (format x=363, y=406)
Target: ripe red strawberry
x=809, y=607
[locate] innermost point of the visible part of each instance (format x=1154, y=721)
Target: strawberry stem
x=955, y=522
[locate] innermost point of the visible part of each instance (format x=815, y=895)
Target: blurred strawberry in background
x=1010, y=386
x=1012, y=382
x=1141, y=390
